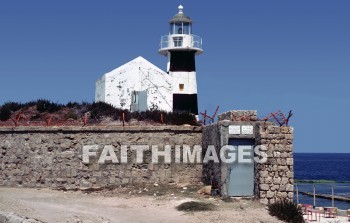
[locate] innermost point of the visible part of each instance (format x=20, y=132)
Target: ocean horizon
x=324, y=171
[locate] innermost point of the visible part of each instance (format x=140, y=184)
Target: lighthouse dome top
x=180, y=17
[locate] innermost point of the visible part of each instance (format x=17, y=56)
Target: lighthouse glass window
x=186, y=28
x=180, y=28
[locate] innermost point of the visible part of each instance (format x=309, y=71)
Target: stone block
x=112, y=180
x=284, y=180
x=290, y=195
x=289, y=188
x=281, y=162
x=283, y=188
x=270, y=194
x=272, y=201
x=289, y=174
x=275, y=141
x=276, y=154
x=264, y=187
x=276, y=180
x=283, y=168
x=264, y=174
x=282, y=194
x=85, y=184
x=290, y=137
x=289, y=161
x=264, y=201
x=288, y=148
x=125, y=180
x=275, y=188
x=61, y=180
x=262, y=194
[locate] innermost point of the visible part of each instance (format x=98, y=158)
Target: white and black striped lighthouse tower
x=181, y=47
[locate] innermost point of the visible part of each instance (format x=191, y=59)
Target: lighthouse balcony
x=180, y=42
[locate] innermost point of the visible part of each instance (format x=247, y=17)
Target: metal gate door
x=241, y=174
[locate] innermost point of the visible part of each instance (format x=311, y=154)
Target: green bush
x=287, y=211
x=170, y=118
x=5, y=113
x=180, y=118
x=73, y=105
x=7, y=109
x=194, y=206
x=98, y=111
x=29, y=104
x=43, y=105
x=13, y=106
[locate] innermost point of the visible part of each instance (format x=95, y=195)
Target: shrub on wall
x=98, y=111
x=73, y=105
x=43, y=105
x=13, y=106
x=7, y=109
x=5, y=113
x=180, y=118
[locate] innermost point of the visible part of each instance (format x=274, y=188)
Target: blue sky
x=258, y=54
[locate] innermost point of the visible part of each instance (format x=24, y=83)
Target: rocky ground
x=153, y=204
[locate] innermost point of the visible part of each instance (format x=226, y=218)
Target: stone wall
x=212, y=171
x=274, y=178
x=52, y=156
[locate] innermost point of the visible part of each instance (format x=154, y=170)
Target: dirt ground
x=126, y=205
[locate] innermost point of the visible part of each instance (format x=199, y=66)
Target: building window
x=177, y=41
x=181, y=87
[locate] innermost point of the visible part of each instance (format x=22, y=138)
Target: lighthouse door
x=241, y=172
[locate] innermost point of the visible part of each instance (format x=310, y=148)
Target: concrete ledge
x=106, y=129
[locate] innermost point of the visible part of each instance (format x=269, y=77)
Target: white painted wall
x=188, y=79
x=139, y=74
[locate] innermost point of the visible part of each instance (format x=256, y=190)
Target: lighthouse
x=139, y=85
x=180, y=46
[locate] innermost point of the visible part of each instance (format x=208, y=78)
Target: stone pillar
x=274, y=179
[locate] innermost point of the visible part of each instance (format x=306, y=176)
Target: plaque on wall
x=247, y=129
x=234, y=129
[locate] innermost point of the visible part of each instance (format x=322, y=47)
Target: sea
x=322, y=171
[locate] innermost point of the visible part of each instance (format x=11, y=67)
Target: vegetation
x=43, y=105
x=7, y=109
x=98, y=111
x=287, y=211
x=193, y=206
x=5, y=113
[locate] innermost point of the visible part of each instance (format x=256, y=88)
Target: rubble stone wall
x=274, y=178
x=52, y=156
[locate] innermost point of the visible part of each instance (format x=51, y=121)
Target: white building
x=139, y=85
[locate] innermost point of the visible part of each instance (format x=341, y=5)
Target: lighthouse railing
x=196, y=41
x=171, y=41
x=164, y=42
